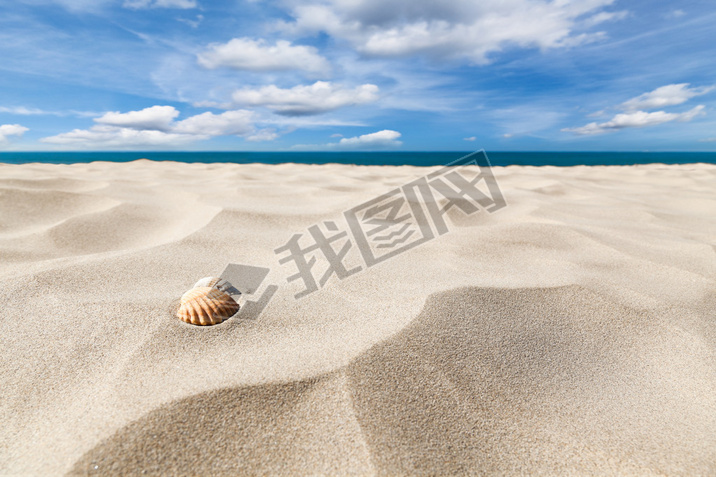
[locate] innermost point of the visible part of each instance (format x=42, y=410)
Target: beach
x=573, y=331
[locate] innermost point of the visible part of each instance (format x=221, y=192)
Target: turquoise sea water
x=370, y=158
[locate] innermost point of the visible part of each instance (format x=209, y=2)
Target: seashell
x=206, y=306
x=218, y=283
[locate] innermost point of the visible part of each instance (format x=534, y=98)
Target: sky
x=335, y=75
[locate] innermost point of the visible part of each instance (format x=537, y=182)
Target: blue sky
x=357, y=75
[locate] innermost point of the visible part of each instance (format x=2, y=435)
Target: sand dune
x=573, y=331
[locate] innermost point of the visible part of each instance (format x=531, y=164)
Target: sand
x=572, y=332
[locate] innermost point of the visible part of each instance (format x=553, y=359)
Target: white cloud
x=636, y=119
x=230, y=123
x=111, y=137
x=471, y=138
x=257, y=55
x=139, y=4
x=380, y=139
x=385, y=139
x=668, y=95
x=302, y=100
x=156, y=127
x=7, y=130
x=455, y=29
x=158, y=118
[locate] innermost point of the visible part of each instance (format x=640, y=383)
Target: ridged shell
x=218, y=283
x=206, y=306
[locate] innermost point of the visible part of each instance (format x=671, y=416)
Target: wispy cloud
x=192, y=23
x=678, y=13
x=308, y=122
x=263, y=135
x=527, y=118
x=92, y=6
x=25, y=111
x=636, y=113
x=668, y=95
x=602, y=17
x=636, y=119
x=141, y=4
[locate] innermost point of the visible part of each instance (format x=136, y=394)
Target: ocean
x=499, y=158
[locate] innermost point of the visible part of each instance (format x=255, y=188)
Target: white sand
x=572, y=332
